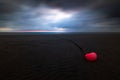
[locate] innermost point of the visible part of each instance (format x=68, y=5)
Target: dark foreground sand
x=54, y=57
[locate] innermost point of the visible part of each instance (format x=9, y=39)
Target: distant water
x=29, y=33
x=53, y=33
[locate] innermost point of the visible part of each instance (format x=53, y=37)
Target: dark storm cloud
x=109, y=7
x=20, y=14
x=14, y=5
x=9, y=6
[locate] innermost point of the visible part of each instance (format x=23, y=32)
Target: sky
x=60, y=15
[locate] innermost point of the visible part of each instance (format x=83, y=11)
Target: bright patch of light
x=55, y=30
x=56, y=15
x=60, y=29
x=6, y=29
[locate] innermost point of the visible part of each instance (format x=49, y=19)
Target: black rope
x=69, y=40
